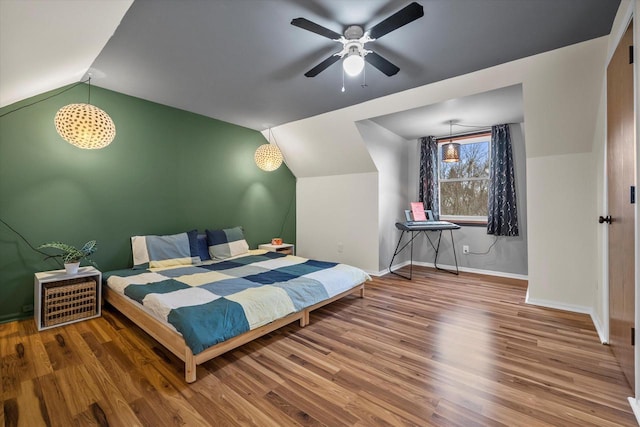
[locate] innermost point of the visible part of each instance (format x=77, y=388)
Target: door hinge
x=633, y=336
x=632, y=194
x=631, y=54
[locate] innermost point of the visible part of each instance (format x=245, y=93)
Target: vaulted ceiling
x=242, y=61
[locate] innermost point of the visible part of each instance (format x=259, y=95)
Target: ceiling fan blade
x=402, y=17
x=322, y=66
x=381, y=64
x=305, y=24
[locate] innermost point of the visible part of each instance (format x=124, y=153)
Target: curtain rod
x=464, y=134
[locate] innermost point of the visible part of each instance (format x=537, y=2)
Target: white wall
x=390, y=153
x=337, y=219
x=561, y=98
x=561, y=201
x=561, y=92
x=323, y=147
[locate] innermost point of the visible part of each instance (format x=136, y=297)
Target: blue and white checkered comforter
x=213, y=302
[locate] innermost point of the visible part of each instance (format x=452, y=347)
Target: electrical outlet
x=340, y=247
x=465, y=249
x=27, y=308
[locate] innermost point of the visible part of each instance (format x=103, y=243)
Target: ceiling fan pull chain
x=343, y=80
x=364, y=77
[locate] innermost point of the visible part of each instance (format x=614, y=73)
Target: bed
x=200, y=308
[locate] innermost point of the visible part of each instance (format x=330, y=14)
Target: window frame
x=462, y=140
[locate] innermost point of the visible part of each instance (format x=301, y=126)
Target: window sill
x=466, y=222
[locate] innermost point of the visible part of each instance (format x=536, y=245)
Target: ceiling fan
x=354, y=39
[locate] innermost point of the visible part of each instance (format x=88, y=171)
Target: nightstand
x=60, y=298
x=285, y=248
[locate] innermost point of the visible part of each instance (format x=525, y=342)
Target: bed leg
x=189, y=366
x=362, y=291
x=304, y=320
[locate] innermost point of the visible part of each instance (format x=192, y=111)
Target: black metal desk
x=415, y=230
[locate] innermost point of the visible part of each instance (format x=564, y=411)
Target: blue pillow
x=203, y=248
x=165, y=251
x=226, y=243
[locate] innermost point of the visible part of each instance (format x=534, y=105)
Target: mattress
x=215, y=301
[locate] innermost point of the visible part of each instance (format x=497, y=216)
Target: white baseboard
x=599, y=327
x=476, y=271
x=453, y=267
x=386, y=270
x=557, y=305
x=570, y=307
x=635, y=408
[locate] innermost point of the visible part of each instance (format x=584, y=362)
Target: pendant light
x=84, y=125
x=451, y=150
x=268, y=156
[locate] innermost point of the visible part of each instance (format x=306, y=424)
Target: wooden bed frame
x=174, y=342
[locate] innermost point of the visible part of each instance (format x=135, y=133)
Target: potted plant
x=71, y=256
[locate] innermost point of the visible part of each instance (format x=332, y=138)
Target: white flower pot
x=71, y=267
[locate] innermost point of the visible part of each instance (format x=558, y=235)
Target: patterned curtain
x=428, y=191
x=502, y=218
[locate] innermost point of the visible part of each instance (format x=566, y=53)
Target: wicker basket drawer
x=68, y=300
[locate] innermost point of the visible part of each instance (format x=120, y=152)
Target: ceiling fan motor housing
x=353, y=32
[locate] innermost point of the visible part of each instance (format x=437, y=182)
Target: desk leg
x=396, y=252
x=453, y=246
x=411, y=258
x=437, y=248
x=400, y=249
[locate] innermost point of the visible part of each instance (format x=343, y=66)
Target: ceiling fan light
x=353, y=64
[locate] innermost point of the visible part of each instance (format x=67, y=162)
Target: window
x=464, y=185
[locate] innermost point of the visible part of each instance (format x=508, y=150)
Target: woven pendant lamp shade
x=85, y=126
x=451, y=152
x=268, y=157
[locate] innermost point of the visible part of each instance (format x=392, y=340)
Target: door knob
x=606, y=219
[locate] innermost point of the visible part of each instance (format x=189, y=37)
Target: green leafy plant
x=70, y=254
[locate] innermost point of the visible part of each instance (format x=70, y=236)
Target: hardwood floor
x=438, y=350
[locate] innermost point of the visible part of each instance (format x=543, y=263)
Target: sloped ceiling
x=466, y=114
x=242, y=61
x=46, y=44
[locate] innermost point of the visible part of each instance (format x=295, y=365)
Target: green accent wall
x=167, y=171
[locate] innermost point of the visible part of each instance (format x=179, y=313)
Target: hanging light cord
x=29, y=244
x=284, y=221
x=284, y=159
x=49, y=97
x=364, y=77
